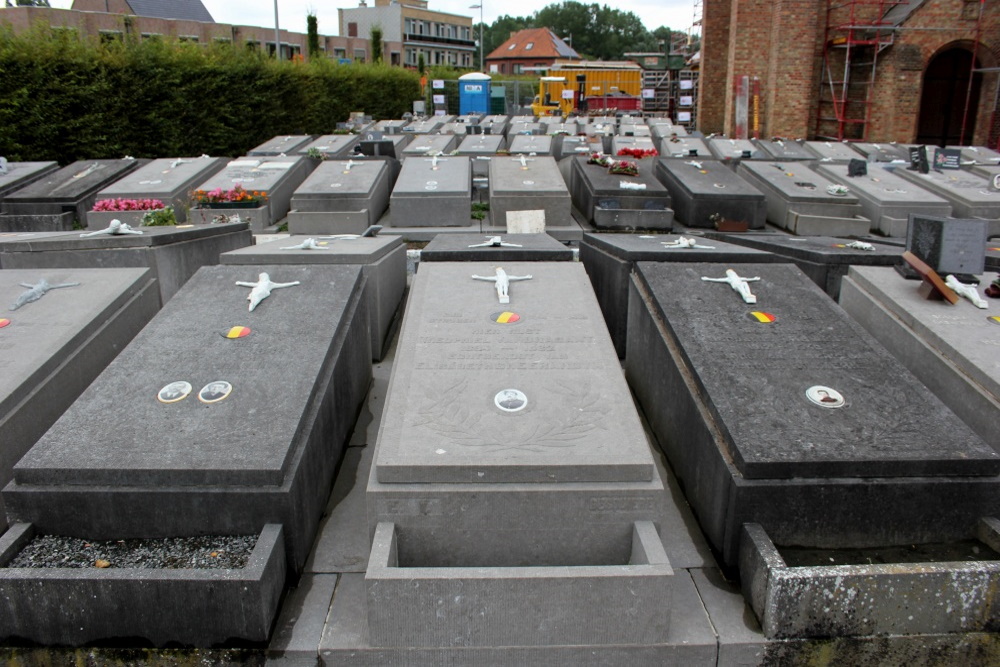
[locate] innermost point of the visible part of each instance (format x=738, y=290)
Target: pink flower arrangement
x=237, y=194
x=637, y=152
x=128, y=205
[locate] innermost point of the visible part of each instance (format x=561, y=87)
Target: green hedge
x=64, y=98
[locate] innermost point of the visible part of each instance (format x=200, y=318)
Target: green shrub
x=65, y=98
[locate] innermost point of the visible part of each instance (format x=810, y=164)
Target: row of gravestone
x=492, y=396
x=435, y=192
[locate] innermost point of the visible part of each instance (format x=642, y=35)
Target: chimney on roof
x=362, y=3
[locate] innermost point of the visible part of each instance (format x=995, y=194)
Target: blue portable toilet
x=474, y=93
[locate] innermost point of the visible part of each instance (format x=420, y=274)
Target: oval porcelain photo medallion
x=511, y=400
x=216, y=391
x=173, y=392
x=825, y=397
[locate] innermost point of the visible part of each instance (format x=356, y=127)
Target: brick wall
x=781, y=42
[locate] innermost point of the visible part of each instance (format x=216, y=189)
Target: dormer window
x=512, y=47
x=527, y=47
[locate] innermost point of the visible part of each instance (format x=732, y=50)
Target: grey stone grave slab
x=784, y=150
x=199, y=607
x=494, y=125
x=886, y=199
x=173, y=254
x=971, y=196
x=833, y=151
x=60, y=198
x=149, y=469
x=690, y=640
x=989, y=172
x=529, y=127
x=801, y=201
x=681, y=147
x=429, y=144
x=978, y=155
x=704, y=190
x=460, y=129
x=610, y=258
x=725, y=386
x=282, y=145
x=170, y=180
x=342, y=196
x=734, y=149
x=634, y=130
x=425, y=126
x=532, y=186
x=52, y=348
x=383, y=259
x=884, y=598
x=277, y=176
x=432, y=192
x=479, y=148
x=390, y=126
x=891, y=152
x=527, y=144
x=619, y=143
x=560, y=126
x=332, y=145
x=399, y=143
x=472, y=481
x=951, y=349
x=948, y=245
x=564, y=147
x=604, y=200
x=517, y=248
x=667, y=130
x=21, y=174
x=825, y=259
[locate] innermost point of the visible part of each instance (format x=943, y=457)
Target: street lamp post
x=480, y=8
x=277, y=39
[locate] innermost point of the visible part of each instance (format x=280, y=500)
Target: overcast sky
x=676, y=14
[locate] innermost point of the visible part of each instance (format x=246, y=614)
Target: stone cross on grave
x=502, y=281
x=524, y=161
x=495, y=242
x=308, y=244
x=347, y=167
x=262, y=288
x=434, y=161
x=115, y=228
x=738, y=283
x=37, y=291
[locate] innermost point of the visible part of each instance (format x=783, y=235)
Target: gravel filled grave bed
x=205, y=552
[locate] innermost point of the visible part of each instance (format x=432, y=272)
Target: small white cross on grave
x=739, y=284
x=502, y=282
x=523, y=160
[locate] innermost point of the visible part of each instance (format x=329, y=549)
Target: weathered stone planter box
x=194, y=607
x=414, y=604
x=880, y=599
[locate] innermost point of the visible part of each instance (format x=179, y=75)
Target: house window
x=108, y=36
x=340, y=53
x=512, y=46
x=359, y=55
x=352, y=29
x=518, y=69
x=394, y=58
x=527, y=47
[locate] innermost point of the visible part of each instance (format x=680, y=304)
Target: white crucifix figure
x=116, y=228
x=347, y=167
x=524, y=160
x=37, y=291
x=502, y=281
x=308, y=244
x=434, y=161
x=685, y=242
x=262, y=288
x=968, y=291
x=495, y=242
x=860, y=245
x=739, y=284
x=694, y=163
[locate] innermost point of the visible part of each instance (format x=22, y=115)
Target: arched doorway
x=942, y=102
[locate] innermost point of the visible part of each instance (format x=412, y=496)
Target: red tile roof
x=534, y=43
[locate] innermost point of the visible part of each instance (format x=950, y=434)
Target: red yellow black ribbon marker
x=3, y=322
x=506, y=317
x=236, y=332
x=995, y=319
x=762, y=317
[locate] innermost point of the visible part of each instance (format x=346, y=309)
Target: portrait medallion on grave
x=4, y=322
x=511, y=400
x=235, y=332
x=216, y=391
x=761, y=317
x=174, y=392
x=506, y=317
